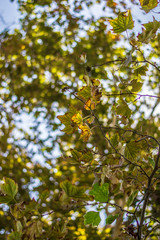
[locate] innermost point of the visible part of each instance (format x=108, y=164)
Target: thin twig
x=146, y=196
x=153, y=229
x=131, y=93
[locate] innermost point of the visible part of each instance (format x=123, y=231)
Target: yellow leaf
x=77, y=118
x=89, y=105
x=147, y=5
x=86, y=132
x=90, y=120
x=95, y=82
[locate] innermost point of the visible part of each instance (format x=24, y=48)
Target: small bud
x=83, y=58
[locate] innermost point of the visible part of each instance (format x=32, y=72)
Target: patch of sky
x=9, y=15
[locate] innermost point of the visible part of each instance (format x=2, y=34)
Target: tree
x=80, y=123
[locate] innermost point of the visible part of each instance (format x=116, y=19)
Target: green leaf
x=123, y=22
x=5, y=199
x=92, y=218
x=110, y=219
x=10, y=188
x=135, y=86
x=70, y=126
x=34, y=229
x=141, y=71
x=123, y=109
x=131, y=198
x=149, y=32
x=115, y=140
x=132, y=150
x=148, y=5
x=44, y=195
x=87, y=156
x=101, y=193
x=14, y=236
x=85, y=93
x=76, y=155
x=19, y=226
x=73, y=191
x=152, y=162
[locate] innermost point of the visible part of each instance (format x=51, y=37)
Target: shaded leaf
x=76, y=155
x=87, y=156
x=149, y=32
x=96, y=94
x=115, y=140
x=72, y=191
x=123, y=109
x=135, y=85
x=33, y=229
x=70, y=126
x=44, y=195
x=83, y=58
x=141, y=71
x=14, y=236
x=152, y=162
x=131, y=198
x=5, y=199
x=132, y=150
x=110, y=219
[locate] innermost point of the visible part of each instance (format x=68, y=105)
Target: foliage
x=79, y=137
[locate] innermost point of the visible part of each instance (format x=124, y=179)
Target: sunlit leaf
x=92, y=218
x=77, y=118
x=90, y=119
x=123, y=22
x=101, y=193
x=148, y=5
x=86, y=132
x=10, y=188
x=95, y=82
x=85, y=93
x=89, y=105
